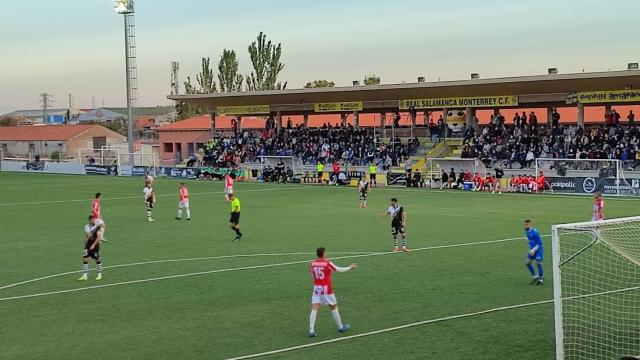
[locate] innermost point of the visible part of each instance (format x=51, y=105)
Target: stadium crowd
x=328, y=144
x=524, y=140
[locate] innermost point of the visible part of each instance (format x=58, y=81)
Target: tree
x=372, y=79
x=184, y=109
x=228, y=77
x=205, y=78
x=320, y=84
x=265, y=58
x=9, y=121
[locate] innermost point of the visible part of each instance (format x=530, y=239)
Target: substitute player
x=398, y=221
x=93, y=236
x=149, y=199
x=536, y=252
x=228, y=186
x=363, y=188
x=183, y=203
x=321, y=269
x=234, y=221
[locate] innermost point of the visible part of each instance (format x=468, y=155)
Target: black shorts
x=94, y=254
x=235, y=218
x=397, y=227
x=149, y=205
x=320, y=173
x=372, y=177
x=363, y=195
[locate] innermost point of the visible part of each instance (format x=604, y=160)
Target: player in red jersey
x=541, y=181
x=228, y=186
x=478, y=182
x=598, y=208
x=489, y=183
x=184, y=202
x=95, y=211
x=321, y=269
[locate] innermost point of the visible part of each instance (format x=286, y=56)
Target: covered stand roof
x=531, y=91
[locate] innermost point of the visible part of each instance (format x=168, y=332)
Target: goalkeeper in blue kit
x=536, y=252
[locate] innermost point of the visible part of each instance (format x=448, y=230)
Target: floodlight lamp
x=123, y=6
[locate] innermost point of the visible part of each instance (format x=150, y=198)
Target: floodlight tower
x=125, y=8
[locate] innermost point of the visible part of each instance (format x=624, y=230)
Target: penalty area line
x=168, y=277
x=390, y=329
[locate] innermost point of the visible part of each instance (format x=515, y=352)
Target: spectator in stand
x=452, y=178
x=555, y=118
x=516, y=120
x=533, y=119
x=631, y=118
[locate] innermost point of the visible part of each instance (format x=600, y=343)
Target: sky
x=77, y=46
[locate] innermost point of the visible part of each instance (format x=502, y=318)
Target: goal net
x=596, y=269
x=290, y=162
x=435, y=166
x=137, y=164
x=586, y=176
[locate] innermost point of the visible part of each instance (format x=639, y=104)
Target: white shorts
x=320, y=296
x=183, y=204
x=228, y=191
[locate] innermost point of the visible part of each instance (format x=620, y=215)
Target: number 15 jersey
x=321, y=270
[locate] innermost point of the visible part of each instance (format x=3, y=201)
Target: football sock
x=85, y=268
x=99, y=267
x=312, y=320
x=395, y=242
x=404, y=242
x=530, y=267
x=179, y=213
x=237, y=231
x=188, y=214
x=540, y=271
x=148, y=214
x=336, y=317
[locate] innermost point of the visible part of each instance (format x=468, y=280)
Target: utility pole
x=46, y=100
x=93, y=102
x=71, y=101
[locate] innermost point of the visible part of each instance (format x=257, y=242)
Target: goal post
x=596, y=269
x=586, y=176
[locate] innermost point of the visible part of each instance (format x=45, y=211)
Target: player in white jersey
x=149, y=200
x=93, y=236
x=228, y=186
x=363, y=188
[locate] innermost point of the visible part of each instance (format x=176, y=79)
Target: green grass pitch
x=232, y=306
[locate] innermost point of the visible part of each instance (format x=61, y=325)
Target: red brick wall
x=182, y=137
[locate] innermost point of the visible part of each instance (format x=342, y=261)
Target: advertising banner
x=101, y=170
x=591, y=97
x=460, y=102
x=243, y=110
x=398, y=179
x=590, y=185
x=339, y=106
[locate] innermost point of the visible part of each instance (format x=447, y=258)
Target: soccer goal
x=137, y=164
x=586, y=176
x=596, y=276
x=291, y=162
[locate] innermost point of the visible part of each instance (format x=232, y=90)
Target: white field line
x=395, y=328
x=425, y=322
x=249, y=268
x=173, y=260
x=140, y=197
